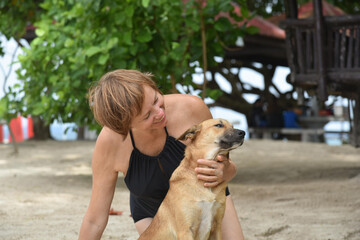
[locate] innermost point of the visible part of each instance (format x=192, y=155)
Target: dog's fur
x=189, y=210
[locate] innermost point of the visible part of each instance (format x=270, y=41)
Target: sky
x=9, y=47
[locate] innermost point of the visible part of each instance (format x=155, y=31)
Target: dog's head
x=213, y=137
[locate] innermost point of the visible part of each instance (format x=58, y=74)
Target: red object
x=113, y=212
x=30, y=127
x=16, y=127
x=1, y=134
x=325, y=112
x=307, y=10
x=265, y=27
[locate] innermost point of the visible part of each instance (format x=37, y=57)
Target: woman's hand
x=213, y=172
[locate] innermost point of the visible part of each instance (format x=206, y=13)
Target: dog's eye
x=219, y=125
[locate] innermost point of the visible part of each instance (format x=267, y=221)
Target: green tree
x=16, y=17
x=78, y=41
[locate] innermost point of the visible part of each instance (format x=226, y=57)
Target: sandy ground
x=283, y=190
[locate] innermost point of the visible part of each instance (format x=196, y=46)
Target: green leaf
x=112, y=42
x=120, y=64
x=144, y=36
x=194, y=25
x=69, y=42
x=244, y=12
x=38, y=109
x=103, y=58
x=39, y=32
x=16, y=85
x=174, y=45
x=145, y=3
x=143, y=59
x=53, y=79
x=76, y=83
x=163, y=59
x=133, y=50
x=92, y=51
x=45, y=5
x=252, y=30
x=3, y=107
x=214, y=93
x=222, y=25
x=129, y=11
x=127, y=37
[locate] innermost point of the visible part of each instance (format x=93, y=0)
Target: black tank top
x=148, y=177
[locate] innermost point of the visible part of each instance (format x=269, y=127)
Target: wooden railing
x=324, y=55
x=341, y=44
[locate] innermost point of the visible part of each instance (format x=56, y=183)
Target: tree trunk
x=41, y=130
x=81, y=133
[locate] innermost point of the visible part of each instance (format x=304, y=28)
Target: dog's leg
x=216, y=234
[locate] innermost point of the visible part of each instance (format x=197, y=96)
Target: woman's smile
x=161, y=119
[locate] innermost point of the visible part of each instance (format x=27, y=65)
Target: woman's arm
x=231, y=228
x=103, y=188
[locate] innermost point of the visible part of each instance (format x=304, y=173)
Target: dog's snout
x=240, y=133
x=232, y=138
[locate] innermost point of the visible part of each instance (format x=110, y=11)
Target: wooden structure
x=324, y=57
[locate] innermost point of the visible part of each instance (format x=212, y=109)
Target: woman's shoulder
x=185, y=111
x=108, y=137
x=185, y=102
x=111, y=149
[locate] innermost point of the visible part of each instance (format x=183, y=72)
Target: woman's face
x=152, y=114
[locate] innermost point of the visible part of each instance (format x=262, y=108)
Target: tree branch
x=6, y=78
x=204, y=49
x=10, y=69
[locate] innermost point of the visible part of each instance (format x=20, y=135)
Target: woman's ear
x=191, y=133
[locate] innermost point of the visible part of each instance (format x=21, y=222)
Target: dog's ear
x=190, y=133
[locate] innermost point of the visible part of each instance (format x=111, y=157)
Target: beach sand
x=282, y=190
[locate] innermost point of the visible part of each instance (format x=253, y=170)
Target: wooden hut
x=323, y=53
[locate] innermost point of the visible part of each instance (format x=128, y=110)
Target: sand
x=282, y=190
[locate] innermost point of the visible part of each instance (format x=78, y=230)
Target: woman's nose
x=158, y=112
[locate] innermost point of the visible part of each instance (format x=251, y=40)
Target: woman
x=139, y=139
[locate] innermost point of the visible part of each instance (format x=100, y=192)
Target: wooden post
x=356, y=120
x=291, y=13
x=319, y=47
x=291, y=9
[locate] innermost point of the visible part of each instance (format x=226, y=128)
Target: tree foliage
x=15, y=15
x=78, y=41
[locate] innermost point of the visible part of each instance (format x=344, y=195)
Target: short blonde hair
x=118, y=97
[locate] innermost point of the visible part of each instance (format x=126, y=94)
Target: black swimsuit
x=148, y=177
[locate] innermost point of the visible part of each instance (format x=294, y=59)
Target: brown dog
x=189, y=210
